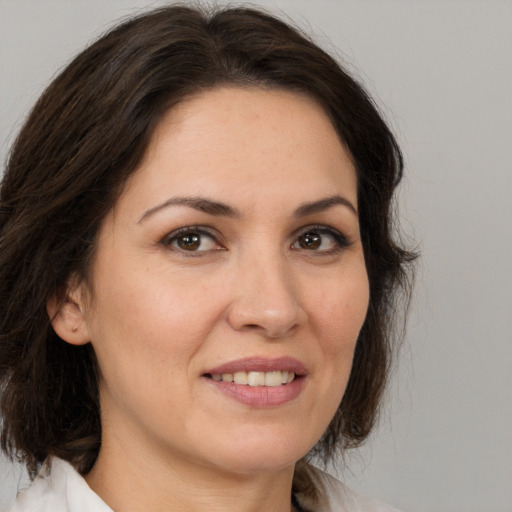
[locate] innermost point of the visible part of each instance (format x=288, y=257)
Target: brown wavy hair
x=88, y=133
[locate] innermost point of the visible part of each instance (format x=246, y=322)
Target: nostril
x=273, y=316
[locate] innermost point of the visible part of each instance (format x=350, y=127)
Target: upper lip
x=260, y=364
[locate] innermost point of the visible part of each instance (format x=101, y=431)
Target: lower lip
x=260, y=396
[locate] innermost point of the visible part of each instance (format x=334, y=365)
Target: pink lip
x=260, y=397
x=261, y=364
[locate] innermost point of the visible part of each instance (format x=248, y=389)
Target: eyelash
x=168, y=240
x=341, y=242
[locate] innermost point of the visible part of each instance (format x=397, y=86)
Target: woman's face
x=233, y=253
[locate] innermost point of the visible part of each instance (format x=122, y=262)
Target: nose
x=266, y=301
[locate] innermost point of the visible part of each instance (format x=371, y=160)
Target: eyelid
x=342, y=241
x=167, y=240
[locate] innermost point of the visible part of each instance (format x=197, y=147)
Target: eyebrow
x=218, y=208
x=197, y=203
x=324, y=204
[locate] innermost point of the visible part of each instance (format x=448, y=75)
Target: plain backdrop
x=441, y=72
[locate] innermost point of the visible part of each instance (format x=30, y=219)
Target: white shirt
x=60, y=488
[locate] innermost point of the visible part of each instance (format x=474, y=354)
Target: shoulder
x=327, y=494
x=59, y=488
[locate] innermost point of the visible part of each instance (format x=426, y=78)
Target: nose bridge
x=266, y=295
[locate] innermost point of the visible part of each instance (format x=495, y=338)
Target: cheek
x=146, y=318
x=340, y=314
x=142, y=334
x=341, y=309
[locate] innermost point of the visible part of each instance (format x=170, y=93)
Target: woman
x=198, y=271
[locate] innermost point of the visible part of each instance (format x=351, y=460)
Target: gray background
x=442, y=72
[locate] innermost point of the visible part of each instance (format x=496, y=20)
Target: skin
x=159, y=316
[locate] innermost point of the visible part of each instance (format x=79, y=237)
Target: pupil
x=310, y=241
x=189, y=242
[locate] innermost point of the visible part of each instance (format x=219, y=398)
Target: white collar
x=59, y=488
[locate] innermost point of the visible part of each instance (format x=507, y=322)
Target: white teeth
x=257, y=379
x=240, y=377
x=273, y=379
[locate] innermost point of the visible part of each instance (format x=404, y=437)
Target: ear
x=67, y=316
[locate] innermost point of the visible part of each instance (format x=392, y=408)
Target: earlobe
x=67, y=318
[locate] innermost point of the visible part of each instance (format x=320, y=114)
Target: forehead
x=250, y=109
x=242, y=141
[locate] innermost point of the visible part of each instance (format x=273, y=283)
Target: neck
x=135, y=481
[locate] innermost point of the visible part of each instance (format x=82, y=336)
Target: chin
x=260, y=454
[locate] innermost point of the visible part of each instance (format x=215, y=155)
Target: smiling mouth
x=256, y=379
x=259, y=382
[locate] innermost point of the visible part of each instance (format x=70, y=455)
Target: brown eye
x=310, y=240
x=190, y=242
x=321, y=240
